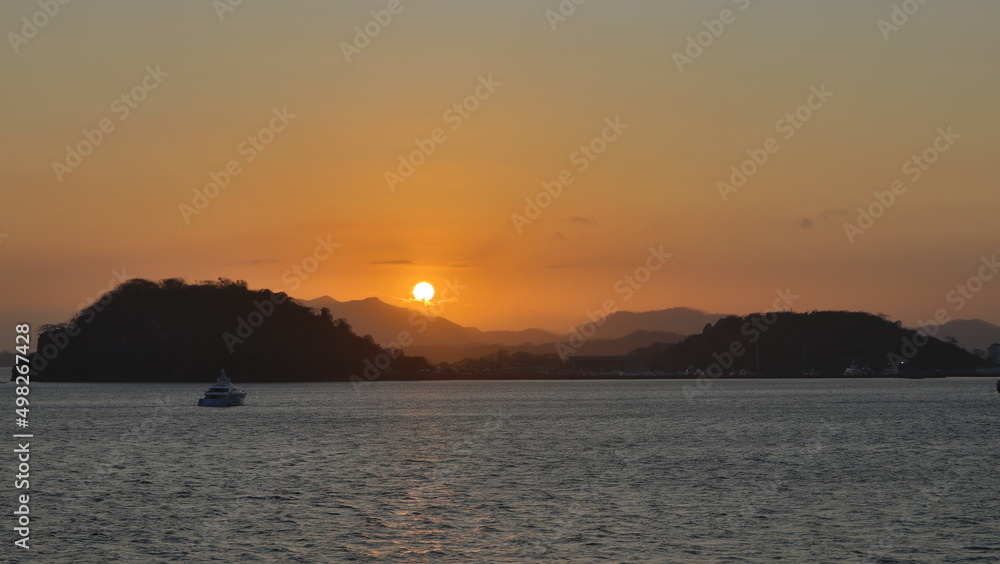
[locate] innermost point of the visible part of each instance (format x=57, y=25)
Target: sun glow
x=423, y=291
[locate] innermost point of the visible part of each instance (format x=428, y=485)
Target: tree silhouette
x=825, y=341
x=174, y=331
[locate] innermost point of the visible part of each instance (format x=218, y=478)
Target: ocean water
x=539, y=471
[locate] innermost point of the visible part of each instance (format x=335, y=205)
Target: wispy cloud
x=392, y=262
x=435, y=264
x=828, y=215
x=253, y=262
x=590, y=220
x=833, y=214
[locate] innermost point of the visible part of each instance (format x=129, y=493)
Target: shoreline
x=524, y=376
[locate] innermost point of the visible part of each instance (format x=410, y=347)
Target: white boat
x=222, y=393
x=853, y=370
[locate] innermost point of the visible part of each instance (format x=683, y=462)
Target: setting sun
x=768, y=227
x=423, y=291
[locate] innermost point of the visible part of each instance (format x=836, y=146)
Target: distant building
x=993, y=353
x=627, y=364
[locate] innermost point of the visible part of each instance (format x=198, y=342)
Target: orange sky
x=533, y=95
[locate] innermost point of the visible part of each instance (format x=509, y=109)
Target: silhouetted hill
x=971, y=334
x=620, y=346
x=795, y=343
x=519, y=337
x=680, y=320
x=384, y=322
x=172, y=331
x=445, y=340
x=441, y=340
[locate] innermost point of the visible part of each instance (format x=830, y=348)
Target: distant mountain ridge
x=384, y=322
x=592, y=347
x=442, y=340
x=680, y=320
x=971, y=334
x=170, y=330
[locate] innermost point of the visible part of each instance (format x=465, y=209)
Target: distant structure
x=993, y=353
x=625, y=364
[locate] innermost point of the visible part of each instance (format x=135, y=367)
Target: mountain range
x=441, y=340
x=971, y=334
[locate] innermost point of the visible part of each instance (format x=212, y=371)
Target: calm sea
x=544, y=471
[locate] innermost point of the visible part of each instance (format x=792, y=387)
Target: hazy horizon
x=440, y=309
x=407, y=153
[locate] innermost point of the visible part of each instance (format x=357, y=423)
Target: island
x=174, y=331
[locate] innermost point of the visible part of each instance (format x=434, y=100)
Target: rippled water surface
x=573, y=471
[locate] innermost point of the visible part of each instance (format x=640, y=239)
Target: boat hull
x=220, y=402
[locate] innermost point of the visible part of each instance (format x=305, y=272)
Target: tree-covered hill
x=826, y=342
x=145, y=331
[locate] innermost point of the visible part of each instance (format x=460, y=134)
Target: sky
x=536, y=161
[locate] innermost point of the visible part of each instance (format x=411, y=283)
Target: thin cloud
x=253, y=262
x=831, y=214
x=828, y=215
x=402, y=262
x=392, y=262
